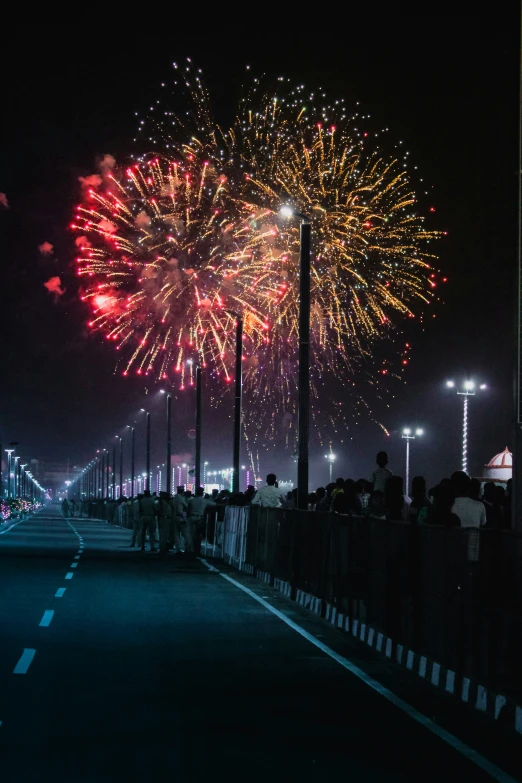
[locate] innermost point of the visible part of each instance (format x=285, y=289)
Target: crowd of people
x=456, y=501
x=177, y=523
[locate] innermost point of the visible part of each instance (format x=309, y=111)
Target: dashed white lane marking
x=69, y=575
x=77, y=557
x=471, y=754
x=25, y=661
x=46, y=619
x=73, y=565
x=59, y=593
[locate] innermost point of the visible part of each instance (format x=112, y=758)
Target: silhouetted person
x=420, y=507
x=148, y=511
x=347, y=502
x=136, y=519
x=472, y=513
x=321, y=502
x=395, y=501
x=269, y=496
x=164, y=510
x=474, y=489
x=443, y=500
x=489, y=499
x=196, y=516
x=381, y=474
x=376, y=507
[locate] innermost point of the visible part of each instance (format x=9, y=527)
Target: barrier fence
x=415, y=584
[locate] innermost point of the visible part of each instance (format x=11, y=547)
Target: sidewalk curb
x=495, y=705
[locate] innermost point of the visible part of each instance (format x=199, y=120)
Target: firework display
x=172, y=243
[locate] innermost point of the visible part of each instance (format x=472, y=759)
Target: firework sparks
x=169, y=244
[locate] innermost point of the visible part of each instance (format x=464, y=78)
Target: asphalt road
x=151, y=669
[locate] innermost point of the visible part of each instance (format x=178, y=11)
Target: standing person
x=443, y=500
x=148, y=512
x=395, y=501
x=72, y=507
x=179, y=508
x=363, y=494
x=196, y=515
x=472, y=513
x=381, y=474
x=164, y=510
x=65, y=508
x=135, y=512
x=337, y=490
x=420, y=506
x=270, y=496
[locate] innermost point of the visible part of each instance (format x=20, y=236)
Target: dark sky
x=446, y=86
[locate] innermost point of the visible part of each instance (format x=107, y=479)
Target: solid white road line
x=59, y=593
x=69, y=575
x=46, y=619
x=25, y=661
x=471, y=754
x=11, y=528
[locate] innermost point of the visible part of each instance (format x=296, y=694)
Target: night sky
x=446, y=86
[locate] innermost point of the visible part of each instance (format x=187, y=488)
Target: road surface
x=122, y=666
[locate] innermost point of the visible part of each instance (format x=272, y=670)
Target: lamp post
x=23, y=467
x=147, y=467
x=407, y=435
x=168, y=487
x=198, y=428
x=237, y=399
x=331, y=459
x=304, y=354
x=133, y=454
x=113, y=493
x=147, y=453
x=467, y=390
x=9, y=452
x=16, y=485
x=121, y=465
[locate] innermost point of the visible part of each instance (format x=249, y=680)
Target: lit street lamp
x=169, y=440
x=304, y=354
x=468, y=390
x=237, y=403
x=147, y=474
x=9, y=452
x=331, y=459
x=407, y=435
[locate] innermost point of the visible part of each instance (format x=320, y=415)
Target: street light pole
x=9, y=452
x=113, y=493
x=121, y=466
x=198, y=427
x=407, y=436
x=147, y=479
x=469, y=391
x=304, y=365
x=168, y=487
x=304, y=355
x=133, y=454
x=237, y=400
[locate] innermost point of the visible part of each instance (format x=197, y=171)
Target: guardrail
x=412, y=583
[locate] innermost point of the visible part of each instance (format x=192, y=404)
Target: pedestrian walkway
x=117, y=665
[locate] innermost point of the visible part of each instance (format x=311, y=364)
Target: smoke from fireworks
x=171, y=243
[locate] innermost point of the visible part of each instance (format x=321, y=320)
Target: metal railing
x=413, y=583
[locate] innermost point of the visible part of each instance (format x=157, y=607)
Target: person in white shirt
x=472, y=513
x=269, y=496
x=381, y=474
